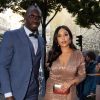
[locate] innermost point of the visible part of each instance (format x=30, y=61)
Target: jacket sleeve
x=6, y=54
x=41, y=71
x=41, y=80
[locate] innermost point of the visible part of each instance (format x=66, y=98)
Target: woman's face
x=63, y=38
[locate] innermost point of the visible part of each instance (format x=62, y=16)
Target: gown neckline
x=67, y=61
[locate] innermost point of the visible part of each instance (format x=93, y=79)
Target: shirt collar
x=27, y=31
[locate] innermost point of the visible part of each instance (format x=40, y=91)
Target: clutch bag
x=57, y=90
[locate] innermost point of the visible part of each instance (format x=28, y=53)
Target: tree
x=47, y=7
x=87, y=12
x=1, y=37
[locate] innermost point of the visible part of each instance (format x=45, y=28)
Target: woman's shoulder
x=78, y=52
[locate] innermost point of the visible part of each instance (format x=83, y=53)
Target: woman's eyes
x=66, y=34
x=59, y=36
x=62, y=35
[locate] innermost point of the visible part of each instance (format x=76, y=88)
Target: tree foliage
x=47, y=7
x=87, y=12
x=1, y=37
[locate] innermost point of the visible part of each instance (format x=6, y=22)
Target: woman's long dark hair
x=56, y=50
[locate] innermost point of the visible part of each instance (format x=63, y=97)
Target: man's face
x=32, y=20
x=88, y=59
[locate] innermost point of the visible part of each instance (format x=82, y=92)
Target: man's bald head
x=33, y=17
x=33, y=7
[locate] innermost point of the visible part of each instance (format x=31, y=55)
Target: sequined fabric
x=73, y=69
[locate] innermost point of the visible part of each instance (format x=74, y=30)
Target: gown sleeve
x=81, y=71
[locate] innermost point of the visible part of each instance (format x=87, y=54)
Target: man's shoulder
x=13, y=31
x=17, y=30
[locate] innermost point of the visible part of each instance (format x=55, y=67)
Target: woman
x=67, y=67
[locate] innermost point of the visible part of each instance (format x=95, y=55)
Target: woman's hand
x=65, y=85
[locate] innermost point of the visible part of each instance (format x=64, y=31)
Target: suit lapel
x=23, y=36
x=31, y=48
x=41, y=45
x=26, y=41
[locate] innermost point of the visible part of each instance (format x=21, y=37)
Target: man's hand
x=97, y=67
x=10, y=98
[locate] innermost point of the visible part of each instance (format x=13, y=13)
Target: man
x=21, y=55
x=89, y=87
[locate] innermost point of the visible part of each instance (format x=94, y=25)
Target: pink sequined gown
x=75, y=68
